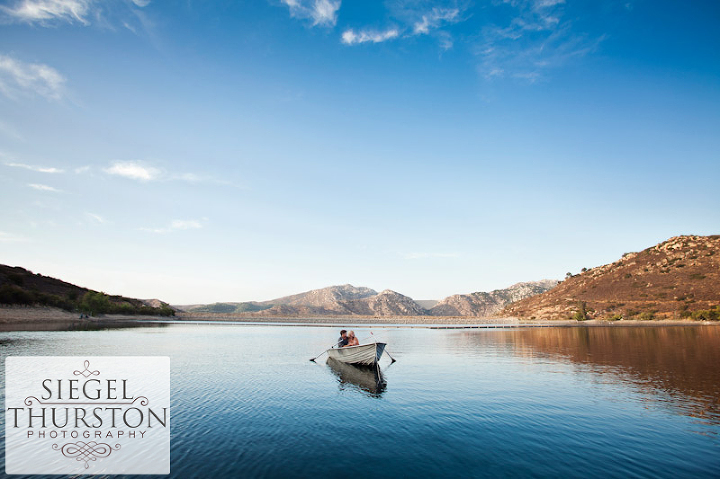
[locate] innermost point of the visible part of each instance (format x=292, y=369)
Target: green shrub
x=11, y=294
x=706, y=315
x=646, y=316
x=581, y=314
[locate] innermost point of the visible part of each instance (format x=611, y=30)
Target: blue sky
x=230, y=150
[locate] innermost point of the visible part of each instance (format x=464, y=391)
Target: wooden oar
x=313, y=359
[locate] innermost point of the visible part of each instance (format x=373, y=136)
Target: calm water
x=581, y=402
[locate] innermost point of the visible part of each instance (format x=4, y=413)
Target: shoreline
x=14, y=318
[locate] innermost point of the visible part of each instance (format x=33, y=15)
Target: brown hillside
x=669, y=280
x=19, y=286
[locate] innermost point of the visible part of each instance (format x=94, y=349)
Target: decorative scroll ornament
x=86, y=372
x=86, y=451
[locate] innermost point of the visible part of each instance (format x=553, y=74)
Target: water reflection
x=675, y=365
x=368, y=379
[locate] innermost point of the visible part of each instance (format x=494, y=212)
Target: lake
x=532, y=402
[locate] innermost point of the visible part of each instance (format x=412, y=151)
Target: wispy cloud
x=320, y=12
x=32, y=11
x=39, y=169
x=412, y=19
x=434, y=19
x=351, y=37
x=96, y=217
x=133, y=170
x=47, y=12
x=176, y=225
x=18, y=78
x=11, y=238
x=425, y=255
x=534, y=39
x=142, y=171
x=41, y=187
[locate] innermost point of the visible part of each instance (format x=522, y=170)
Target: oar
x=313, y=359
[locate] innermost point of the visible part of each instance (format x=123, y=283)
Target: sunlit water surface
x=580, y=402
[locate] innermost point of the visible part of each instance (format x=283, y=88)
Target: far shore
x=19, y=318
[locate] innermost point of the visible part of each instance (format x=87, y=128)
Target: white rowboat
x=367, y=354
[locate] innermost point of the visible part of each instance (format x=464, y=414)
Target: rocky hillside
x=483, y=304
x=348, y=300
x=677, y=278
x=323, y=298
x=387, y=303
x=317, y=301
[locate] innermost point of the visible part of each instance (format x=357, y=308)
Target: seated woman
x=352, y=340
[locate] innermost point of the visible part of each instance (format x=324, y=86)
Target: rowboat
x=367, y=354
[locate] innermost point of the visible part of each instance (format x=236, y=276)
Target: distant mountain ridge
x=487, y=304
x=348, y=300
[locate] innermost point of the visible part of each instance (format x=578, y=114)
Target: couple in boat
x=347, y=339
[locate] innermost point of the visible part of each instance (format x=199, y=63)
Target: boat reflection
x=367, y=379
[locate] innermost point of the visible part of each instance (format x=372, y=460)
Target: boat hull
x=367, y=354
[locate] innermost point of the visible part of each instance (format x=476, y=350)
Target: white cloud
x=10, y=238
x=350, y=37
x=414, y=18
x=176, y=225
x=20, y=78
x=82, y=169
x=434, y=19
x=430, y=255
x=185, y=225
x=95, y=217
x=534, y=39
x=44, y=12
x=39, y=169
x=133, y=170
x=321, y=12
x=40, y=187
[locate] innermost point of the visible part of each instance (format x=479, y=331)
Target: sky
x=203, y=151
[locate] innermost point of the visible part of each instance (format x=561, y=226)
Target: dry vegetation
x=679, y=278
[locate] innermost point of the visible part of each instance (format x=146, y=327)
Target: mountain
x=677, y=278
x=387, y=303
x=348, y=300
x=426, y=303
x=19, y=286
x=323, y=298
x=483, y=304
x=344, y=300
x=317, y=301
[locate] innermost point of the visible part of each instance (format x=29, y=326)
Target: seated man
x=343, y=339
